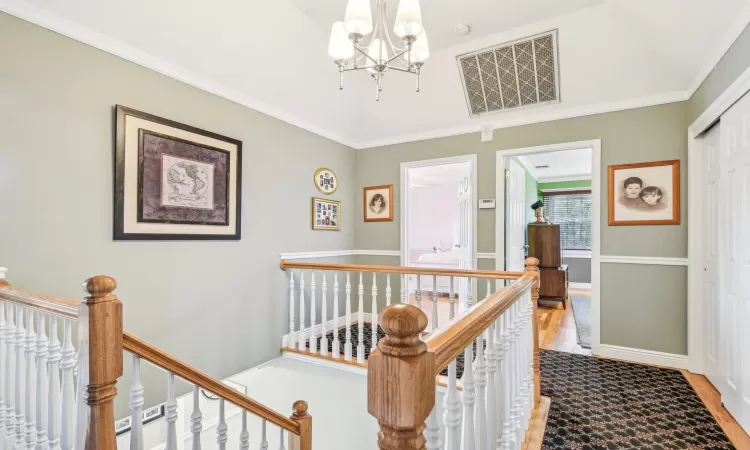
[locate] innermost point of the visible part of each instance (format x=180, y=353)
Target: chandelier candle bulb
x=408, y=19
x=339, y=47
x=358, y=18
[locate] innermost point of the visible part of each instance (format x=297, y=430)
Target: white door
x=515, y=219
x=712, y=317
x=465, y=237
x=735, y=257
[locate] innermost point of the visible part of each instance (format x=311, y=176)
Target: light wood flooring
x=557, y=331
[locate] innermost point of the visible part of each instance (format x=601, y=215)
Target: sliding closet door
x=735, y=257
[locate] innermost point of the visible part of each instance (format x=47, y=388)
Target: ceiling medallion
x=380, y=55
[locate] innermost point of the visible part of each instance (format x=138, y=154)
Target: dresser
x=544, y=245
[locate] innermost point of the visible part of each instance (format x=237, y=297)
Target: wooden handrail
x=64, y=307
x=449, y=342
x=164, y=360
x=494, y=274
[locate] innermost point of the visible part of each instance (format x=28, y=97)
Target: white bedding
x=452, y=256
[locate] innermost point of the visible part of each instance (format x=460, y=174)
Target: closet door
x=712, y=347
x=735, y=257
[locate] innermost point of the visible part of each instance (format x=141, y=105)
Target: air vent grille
x=512, y=75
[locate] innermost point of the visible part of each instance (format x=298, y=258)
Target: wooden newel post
x=532, y=265
x=104, y=332
x=300, y=415
x=401, y=379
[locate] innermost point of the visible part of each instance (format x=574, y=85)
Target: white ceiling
x=439, y=174
x=568, y=165
x=272, y=55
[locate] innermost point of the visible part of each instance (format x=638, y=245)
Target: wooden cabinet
x=544, y=245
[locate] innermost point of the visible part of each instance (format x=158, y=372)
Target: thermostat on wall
x=488, y=203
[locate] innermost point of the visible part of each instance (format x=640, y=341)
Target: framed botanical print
x=174, y=181
x=326, y=214
x=645, y=193
x=378, y=203
x=325, y=180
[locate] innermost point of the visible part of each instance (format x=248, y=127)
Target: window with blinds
x=572, y=211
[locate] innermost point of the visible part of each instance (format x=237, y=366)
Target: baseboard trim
x=641, y=356
x=580, y=285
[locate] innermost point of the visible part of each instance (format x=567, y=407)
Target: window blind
x=572, y=211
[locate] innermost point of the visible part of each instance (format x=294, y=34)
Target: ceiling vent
x=512, y=75
x=542, y=167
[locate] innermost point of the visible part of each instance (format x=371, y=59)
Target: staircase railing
x=57, y=396
x=498, y=395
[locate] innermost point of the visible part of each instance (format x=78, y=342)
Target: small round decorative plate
x=325, y=180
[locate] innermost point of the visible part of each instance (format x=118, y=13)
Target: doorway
x=566, y=179
x=438, y=211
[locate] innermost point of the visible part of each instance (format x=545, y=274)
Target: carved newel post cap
x=531, y=263
x=403, y=324
x=300, y=408
x=100, y=285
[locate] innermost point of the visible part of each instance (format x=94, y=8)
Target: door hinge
x=507, y=173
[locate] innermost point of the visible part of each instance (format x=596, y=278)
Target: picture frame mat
x=313, y=214
x=132, y=124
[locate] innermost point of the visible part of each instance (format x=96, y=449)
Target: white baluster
x=335, y=343
x=3, y=364
x=452, y=413
x=263, y=441
x=313, y=306
x=244, y=435
x=221, y=430
x=468, y=397
x=489, y=288
x=491, y=391
x=281, y=439
x=387, y=289
x=499, y=396
x=403, y=288
x=324, y=318
x=469, y=296
x=507, y=368
x=348, y=319
x=302, y=336
x=291, y=342
x=452, y=301
x=519, y=380
x=432, y=432
x=196, y=419
x=434, y=303
x=8, y=369
x=42, y=384
x=361, y=322
x=171, y=413
x=480, y=422
x=513, y=377
x=67, y=366
x=136, y=407
x=54, y=411
x=19, y=383
x=374, y=314
x=418, y=294
x=528, y=357
x=30, y=383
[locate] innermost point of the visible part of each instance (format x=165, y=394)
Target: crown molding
x=45, y=19
x=548, y=116
x=563, y=179
x=734, y=31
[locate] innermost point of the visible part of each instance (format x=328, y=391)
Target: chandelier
x=379, y=55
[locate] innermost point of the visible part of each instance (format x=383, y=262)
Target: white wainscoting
x=645, y=260
x=643, y=356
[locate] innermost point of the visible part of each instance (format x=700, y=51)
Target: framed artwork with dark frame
x=326, y=214
x=174, y=181
x=378, y=203
x=645, y=193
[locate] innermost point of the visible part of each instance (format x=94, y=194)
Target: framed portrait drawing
x=174, y=181
x=326, y=214
x=378, y=203
x=645, y=193
x=325, y=180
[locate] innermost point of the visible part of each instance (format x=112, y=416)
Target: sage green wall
x=565, y=184
x=645, y=134
x=732, y=65
x=219, y=306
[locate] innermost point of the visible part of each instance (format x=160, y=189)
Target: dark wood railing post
x=304, y=420
x=401, y=380
x=101, y=315
x=532, y=265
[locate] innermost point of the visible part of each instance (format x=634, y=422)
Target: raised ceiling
x=272, y=55
x=560, y=166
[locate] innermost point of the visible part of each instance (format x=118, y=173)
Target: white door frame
x=596, y=218
x=695, y=215
x=472, y=159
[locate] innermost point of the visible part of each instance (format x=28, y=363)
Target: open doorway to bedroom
x=438, y=210
x=549, y=211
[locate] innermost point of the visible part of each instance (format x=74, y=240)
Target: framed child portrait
x=326, y=214
x=645, y=193
x=378, y=203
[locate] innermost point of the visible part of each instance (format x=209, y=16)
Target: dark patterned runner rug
x=604, y=404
